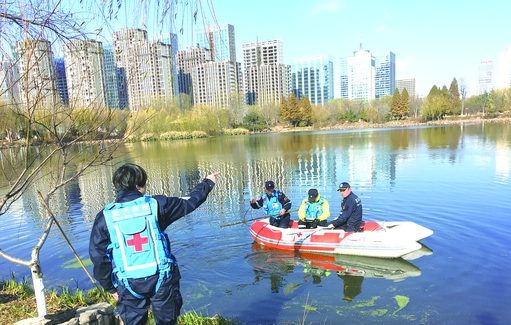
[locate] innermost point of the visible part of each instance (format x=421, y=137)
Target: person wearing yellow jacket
x=313, y=211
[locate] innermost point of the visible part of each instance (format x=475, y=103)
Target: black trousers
x=166, y=302
x=310, y=224
x=349, y=228
x=282, y=222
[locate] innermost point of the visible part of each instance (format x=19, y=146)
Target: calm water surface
x=454, y=180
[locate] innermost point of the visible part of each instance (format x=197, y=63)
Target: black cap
x=313, y=194
x=343, y=185
x=269, y=185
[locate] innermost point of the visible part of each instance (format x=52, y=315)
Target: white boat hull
x=378, y=239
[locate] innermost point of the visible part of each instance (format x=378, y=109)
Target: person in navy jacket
x=350, y=218
x=130, y=184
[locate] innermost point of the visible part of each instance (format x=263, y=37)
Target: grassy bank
x=17, y=302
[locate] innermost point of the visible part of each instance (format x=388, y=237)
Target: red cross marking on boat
x=137, y=242
x=299, y=234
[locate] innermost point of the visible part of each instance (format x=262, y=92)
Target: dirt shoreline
x=398, y=124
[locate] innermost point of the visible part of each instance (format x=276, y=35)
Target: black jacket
x=351, y=212
x=170, y=209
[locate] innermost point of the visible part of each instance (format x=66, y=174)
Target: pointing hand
x=213, y=176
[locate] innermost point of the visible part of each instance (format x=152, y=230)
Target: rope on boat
x=247, y=220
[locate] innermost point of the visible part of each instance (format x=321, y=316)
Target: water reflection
x=368, y=159
x=352, y=286
x=426, y=175
x=274, y=265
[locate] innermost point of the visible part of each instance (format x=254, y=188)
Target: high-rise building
x=207, y=81
x=60, y=70
x=37, y=82
x=85, y=73
x=267, y=78
x=219, y=39
x=169, y=38
x=385, y=78
x=146, y=69
x=187, y=60
x=216, y=83
x=408, y=83
x=8, y=85
x=210, y=72
x=505, y=68
x=485, y=77
x=313, y=77
x=358, y=75
x=113, y=97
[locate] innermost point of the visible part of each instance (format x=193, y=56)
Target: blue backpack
x=139, y=248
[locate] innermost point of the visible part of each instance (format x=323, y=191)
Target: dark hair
x=128, y=176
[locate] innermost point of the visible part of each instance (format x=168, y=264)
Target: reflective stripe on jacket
x=271, y=205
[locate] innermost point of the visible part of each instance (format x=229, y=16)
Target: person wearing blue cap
x=275, y=204
x=350, y=218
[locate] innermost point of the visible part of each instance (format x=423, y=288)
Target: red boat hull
x=377, y=240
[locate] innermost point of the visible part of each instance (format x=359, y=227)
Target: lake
x=454, y=180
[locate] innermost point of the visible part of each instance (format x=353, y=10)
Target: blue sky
x=434, y=41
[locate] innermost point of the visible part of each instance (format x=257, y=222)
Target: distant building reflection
x=502, y=161
x=368, y=159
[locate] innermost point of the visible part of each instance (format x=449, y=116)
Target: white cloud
x=385, y=30
x=406, y=64
x=322, y=6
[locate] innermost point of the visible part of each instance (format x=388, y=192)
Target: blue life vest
x=313, y=210
x=272, y=206
x=139, y=248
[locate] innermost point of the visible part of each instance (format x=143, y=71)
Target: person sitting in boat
x=313, y=211
x=275, y=204
x=350, y=218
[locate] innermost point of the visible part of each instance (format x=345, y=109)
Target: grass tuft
x=192, y=318
x=17, y=302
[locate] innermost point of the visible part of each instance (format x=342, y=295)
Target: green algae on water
x=402, y=301
x=74, y=264
x=309, y=307
x=366, y=303
x=378, y=312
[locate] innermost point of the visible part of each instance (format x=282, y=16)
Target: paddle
x=319, y=228
x=238, y=222
x=312, y=233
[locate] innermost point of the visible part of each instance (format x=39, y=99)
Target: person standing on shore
x=275, y=204
x=131, y=252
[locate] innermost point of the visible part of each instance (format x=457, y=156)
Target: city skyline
x=222, y=39
x=434, y=41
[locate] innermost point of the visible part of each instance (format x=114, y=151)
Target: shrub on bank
x=199, y=134
x=171, y=135
x=148, y=137
x=175, y=135
x=237, y=131
x=132, y=138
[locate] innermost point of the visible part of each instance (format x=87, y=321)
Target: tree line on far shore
x=438, y=104
x=165, y=121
